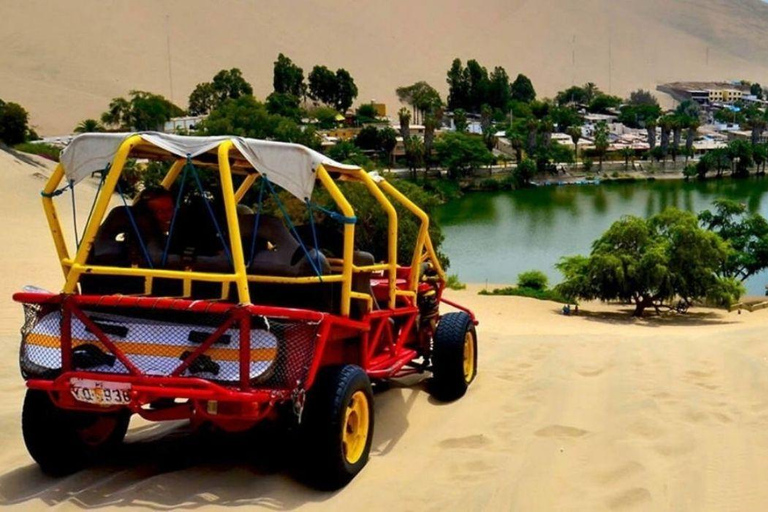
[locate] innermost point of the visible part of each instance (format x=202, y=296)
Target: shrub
x=534, y=279
x=44, y=150
x=454, y=284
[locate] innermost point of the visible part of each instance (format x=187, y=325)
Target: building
x=182, y=124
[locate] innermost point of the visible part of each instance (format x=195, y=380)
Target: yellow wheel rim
x=469, y=357
x=356, y=425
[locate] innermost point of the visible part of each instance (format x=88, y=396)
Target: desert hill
x=64, y=61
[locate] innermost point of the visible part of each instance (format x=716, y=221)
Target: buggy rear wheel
x=337, y=426
x=63, y=441
x=454, y=356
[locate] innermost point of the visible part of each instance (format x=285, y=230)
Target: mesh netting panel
x=157, y=342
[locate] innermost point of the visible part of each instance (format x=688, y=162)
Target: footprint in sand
x=561, y=432
x=620, y=473
x=630, y=498
x=590, y=372
x=476, y=441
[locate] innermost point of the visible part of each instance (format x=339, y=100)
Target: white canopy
x=290, y=166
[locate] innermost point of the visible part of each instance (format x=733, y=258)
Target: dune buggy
x=185, y=303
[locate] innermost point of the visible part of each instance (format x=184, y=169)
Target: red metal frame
x=388, y=340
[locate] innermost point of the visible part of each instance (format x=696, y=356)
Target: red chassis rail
x=382, y=343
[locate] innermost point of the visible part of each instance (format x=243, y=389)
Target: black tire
x=324, y=422
x=450, y=377
x=62, y=441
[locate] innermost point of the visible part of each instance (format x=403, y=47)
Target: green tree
x=387, y=143
x=746, y=232
x=756, y=90
x=230, y=84
x=144, y=111
x=601, y=103
x=458, y=86
x=326, y=117
x=652, y=263
x=285, y=104
x=288, y=78
x=740, y=154
x=366, y=113
x=89, y=126
x=499, y=93
x=368, y=138
x=346, y=90
x=421, y=96
x=414, y=153
x=478, y=85
x=460, y=119
x=641, y=97
x=524, y=173
x=601, y=141
x=461, y=152
x=322, y=85
x=629, y=154
x=522, y=89
x=202, y=100
x=14, y=123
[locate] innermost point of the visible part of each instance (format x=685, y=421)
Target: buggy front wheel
x=63, y=441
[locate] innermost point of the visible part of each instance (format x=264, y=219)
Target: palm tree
x=678, y=124
x=666, y=123
x=404, y=116
x=117, y=113
x=628, y=153
x=89, y=126
x=575, y=133
x=693, y=126
x=650, y=127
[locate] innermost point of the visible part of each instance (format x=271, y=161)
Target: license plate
x=101, y=393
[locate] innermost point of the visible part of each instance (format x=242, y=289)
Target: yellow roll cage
x=75, y=267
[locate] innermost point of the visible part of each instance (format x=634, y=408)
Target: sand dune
x=595, y=412
x=65, y=60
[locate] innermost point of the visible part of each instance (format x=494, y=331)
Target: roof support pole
x=230, y=206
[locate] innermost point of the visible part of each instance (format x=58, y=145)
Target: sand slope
x=65, y=60
x=589, y=413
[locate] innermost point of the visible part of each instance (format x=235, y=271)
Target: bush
x=530, y=293
x=534, y=279
x=14, y=126
x=454, y=284
x=44, y=150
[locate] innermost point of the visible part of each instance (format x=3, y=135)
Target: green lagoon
x=493, y=236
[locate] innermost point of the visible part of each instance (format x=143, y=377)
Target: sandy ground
x=64, y=61
x=589, y=413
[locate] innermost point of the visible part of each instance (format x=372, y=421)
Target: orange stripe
x=150, y=349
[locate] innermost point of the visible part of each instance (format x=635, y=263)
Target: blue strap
x=175, y=212
x=219, y=233
x=314, y=232
x=59, y=191
x=256, y=225
x=135, y=227
x=291, y=227
x=334, y=215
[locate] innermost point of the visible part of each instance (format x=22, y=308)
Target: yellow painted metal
x=355, y=429
x=53, y=219
x=365, y=297
x=372, y=268
x=391, y=232
x=245, y=186
x=338, y=278
x=99, y=208
x=173, y=173
x=422, y=237
x=469, y=357
x=148, y=285
x=156, y=273
x=187, y=288
x=349, y=236
x=230, y=207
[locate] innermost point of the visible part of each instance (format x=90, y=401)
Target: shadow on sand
x=623, y=316
x=167, y=466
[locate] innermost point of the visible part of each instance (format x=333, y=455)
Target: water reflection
x=495, y=236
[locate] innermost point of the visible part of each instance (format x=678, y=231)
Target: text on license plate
x=99, y=392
